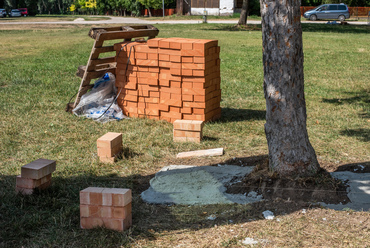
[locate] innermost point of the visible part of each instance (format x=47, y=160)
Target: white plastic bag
x=99, y=103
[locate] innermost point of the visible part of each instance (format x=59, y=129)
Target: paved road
x=132, y=20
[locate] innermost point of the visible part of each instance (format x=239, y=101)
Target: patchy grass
x=37, y=79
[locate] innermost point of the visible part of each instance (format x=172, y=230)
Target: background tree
x=290, y=151
x=244, y=13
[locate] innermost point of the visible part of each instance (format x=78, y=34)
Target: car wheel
x=313, y=17
x=342, y=18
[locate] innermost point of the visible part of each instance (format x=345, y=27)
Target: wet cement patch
x=193, y=185
x=358, y=191
x=203, y=185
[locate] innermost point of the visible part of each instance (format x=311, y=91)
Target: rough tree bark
x=244, y=13
x=290, y=151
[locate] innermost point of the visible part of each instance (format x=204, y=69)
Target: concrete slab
x=192, y=185
x=358, y=191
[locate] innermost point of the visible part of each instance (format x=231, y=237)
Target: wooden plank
x=95, y=62
x=100, y=73
x=201, y=153
x=127, y=34
x=98, y=50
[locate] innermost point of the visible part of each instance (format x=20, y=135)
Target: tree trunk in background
x=149, y=13
x=290, y=151
x=244, y=13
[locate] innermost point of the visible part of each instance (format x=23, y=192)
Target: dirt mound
x=320, y=188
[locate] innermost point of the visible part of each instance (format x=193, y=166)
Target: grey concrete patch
x=358, y=191
x=190, y=185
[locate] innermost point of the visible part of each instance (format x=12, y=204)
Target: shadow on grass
x=51, y=218
x=362, y=134
x=235, y=115
x=361, y=167
x=325, y=28
x=363, y=97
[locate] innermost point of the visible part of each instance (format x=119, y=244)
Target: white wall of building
x=210, y=11
x=226, y=8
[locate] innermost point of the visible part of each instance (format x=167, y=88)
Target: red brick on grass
x=91, y=196
x=188, y=125
x=28, y=191
x=91, y=222
x=29, y=183
x=38, y=168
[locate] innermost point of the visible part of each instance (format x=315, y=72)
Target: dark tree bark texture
x=244, y=13
x=290, y=151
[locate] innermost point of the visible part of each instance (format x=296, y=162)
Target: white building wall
x=210, y=11
x=226, y=7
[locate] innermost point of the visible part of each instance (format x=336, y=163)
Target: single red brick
x=121, y=212
x=164, y=57
x=120, y=197
x=172, y=102
x=175, y=84
x=175, y=58
x=153, y=56
x=154, y=42
x=91, y=222
x=175, y=71
x=141, y=55
x=187, y=44
x=186, y=110
x=143, y=68
x=38, y=168
x=87, y=198
x=169, y=51
x=84, y=210
x=31, y=183
x=175, y=109
x=164, y=43
x=163, y=107
x=186, y=59
x=164, y=82
x=173, y=115
x=109, y=160
x=186, y=72
x=147, y=62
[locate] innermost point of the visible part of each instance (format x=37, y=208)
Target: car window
x=342, y=7
x=323, y=8
x=333, y=7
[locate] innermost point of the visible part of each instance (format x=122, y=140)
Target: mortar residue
x=190, y=185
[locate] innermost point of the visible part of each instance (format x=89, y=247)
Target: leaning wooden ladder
x=96, y=67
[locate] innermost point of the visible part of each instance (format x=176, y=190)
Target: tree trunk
x=149, y=13
x=244, y=13
x=290, y=151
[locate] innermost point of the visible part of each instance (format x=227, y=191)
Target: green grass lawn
x=37, y=79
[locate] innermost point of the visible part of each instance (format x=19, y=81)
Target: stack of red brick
x=109, y=147
x=169, y=79
x=35, y=175
x=105, y=207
